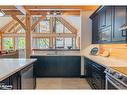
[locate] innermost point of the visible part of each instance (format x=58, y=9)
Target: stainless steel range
x=115, y=80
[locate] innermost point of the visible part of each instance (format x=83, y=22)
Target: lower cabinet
x=23, y=79
x=57, y=66
x=11, y=82
x=95, y=74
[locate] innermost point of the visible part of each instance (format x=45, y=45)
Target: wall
x=86, y=33
x=86, y=29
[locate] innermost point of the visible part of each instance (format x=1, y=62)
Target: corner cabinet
x=106, y=24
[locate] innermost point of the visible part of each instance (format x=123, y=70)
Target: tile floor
x=62, y=83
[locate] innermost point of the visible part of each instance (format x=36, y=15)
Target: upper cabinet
x=108, y=24
x=95, y=26
x=119, y=20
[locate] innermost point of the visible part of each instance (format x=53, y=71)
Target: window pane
x=21, y=43
x=68, y=42
x=40, y=43
x=59, y=43
x=8, y=43
x=44, y=26
x=59, y=27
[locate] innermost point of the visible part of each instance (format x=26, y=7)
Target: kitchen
x=63, y=47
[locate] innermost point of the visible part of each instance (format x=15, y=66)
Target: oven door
x=110, y=84
x=113, y=83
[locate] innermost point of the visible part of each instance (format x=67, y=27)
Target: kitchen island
x=15, y=73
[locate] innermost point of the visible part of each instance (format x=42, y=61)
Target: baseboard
x=82, y=76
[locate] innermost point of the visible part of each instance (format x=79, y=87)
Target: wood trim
x=19, y=21
x=36, y=23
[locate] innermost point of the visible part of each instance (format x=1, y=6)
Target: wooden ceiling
x=42, y=10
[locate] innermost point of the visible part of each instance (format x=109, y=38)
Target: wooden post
x=28, y=36
x=51, y=31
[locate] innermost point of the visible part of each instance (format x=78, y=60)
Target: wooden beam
x=14, y=35
x=28, y=36
x=22, y=10
x=16, y=25
x=63, y=12
x=82, y=7
x=37, y=35
x=67, y=24
x=36, y=23
x=12, y=12
x=7, y=7
x=19, y=21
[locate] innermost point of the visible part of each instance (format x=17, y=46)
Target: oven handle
x=108, y=74
x=108, y=80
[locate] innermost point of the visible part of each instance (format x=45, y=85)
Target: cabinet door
x=108, y=16
x=102, y=18
x=105, y=35
x=69, y=66
x=88, y=66
x=95, y=29
x=119, y=20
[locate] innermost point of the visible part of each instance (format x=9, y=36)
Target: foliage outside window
x=8, y=43
x=21, y=43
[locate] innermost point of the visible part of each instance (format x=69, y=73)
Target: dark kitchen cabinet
x=102, y=18
x=95, y=74
x=88, y=71
x=105, y=35
x=109, y=16
x=95, y=28
x=110, y=20
x=11, y=82
x=120, y=16
x=57, y=66
x=23, y=79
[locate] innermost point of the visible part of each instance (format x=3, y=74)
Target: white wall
x=86, y=34
x=86, y=29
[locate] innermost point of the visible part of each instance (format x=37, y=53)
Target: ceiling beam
x=19, y=21
x=82, y=7
x=36, y=23
x=39, y=35
x=22, y=10
x=7, y=7
x=12, y=12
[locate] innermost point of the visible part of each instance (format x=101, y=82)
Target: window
x=8, y=43
x=21, y=43
x=40, y=43
x=64, y=43
x=59, y=42
x=59, y=27
x=68, y=42
x=44, y=26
